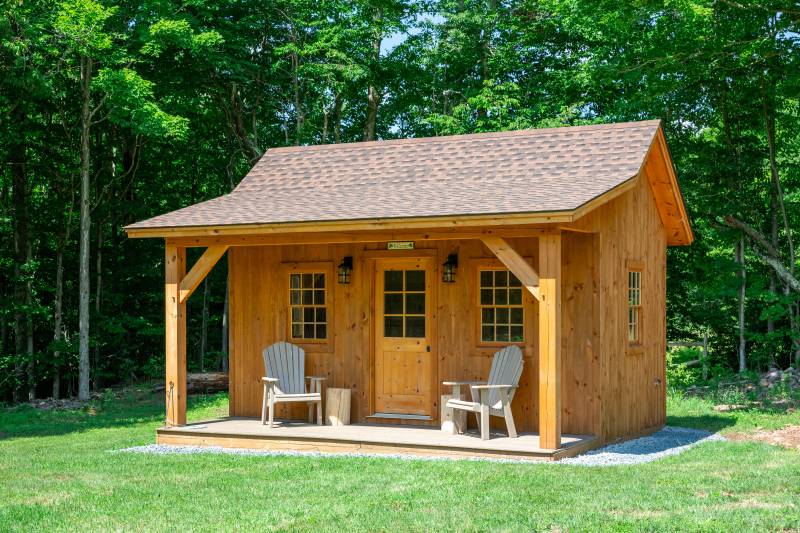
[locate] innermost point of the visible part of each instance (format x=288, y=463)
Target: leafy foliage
x=187, y=95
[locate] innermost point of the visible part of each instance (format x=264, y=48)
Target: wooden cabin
x=397, y=265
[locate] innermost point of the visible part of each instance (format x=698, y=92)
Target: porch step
x=400, y=416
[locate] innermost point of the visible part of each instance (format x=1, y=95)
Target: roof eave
x=432, y=222
x=688, y=234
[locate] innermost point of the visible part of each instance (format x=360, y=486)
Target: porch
x=366, y=438
x=394, y=359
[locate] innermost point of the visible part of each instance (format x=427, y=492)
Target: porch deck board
x=367, y=438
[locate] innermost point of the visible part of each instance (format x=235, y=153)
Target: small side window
x=634, y=306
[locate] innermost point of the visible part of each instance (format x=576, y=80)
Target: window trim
x=476, y=266
x=634, y=346
x=317, y=267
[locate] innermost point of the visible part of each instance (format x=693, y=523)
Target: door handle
x=427, y=348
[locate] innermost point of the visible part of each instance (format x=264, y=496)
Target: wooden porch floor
x=367, y=438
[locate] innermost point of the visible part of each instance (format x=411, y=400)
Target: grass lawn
x=58, y=472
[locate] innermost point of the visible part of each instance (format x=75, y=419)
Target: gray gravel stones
x=668, y=441
x=663, y=443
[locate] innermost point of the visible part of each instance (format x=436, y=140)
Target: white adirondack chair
x=494, y=396
x=285, y=381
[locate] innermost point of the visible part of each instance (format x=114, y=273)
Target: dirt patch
x=754, y=504
x=49, y=404
x=788, y=437
x=638, y=514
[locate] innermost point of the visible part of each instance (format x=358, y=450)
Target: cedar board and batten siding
x=630, y=382
x=607, y=389
x=259, y=311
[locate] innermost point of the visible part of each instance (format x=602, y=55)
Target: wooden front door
x=405, y=364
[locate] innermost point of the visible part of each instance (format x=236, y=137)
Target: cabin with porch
x=399, y=265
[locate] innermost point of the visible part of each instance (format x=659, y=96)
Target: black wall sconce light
x=344, y=269
x=449, y=269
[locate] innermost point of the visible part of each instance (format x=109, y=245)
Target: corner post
x=175, y=334
x=550, y=341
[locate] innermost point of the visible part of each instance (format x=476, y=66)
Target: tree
x=125, y=99
x=112, y=111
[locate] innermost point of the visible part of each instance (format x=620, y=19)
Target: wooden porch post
x=175, y=333
x=545, y=286
x=550, y=341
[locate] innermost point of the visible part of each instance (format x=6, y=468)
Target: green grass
x=695, y=412
x=58, y=472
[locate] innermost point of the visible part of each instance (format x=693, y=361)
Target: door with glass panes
x=404, y=370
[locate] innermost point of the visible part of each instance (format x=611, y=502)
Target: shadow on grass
x=124, y=410
x=709, y=422
x=706, y=413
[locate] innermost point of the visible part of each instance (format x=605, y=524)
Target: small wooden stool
x=337, y=407
x=454, y=421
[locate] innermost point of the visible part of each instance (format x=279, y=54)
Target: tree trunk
x=98, y=293
x=765, y=251
x=29, y=370
x=58, y=304
x=84, y=284
x=773, y=289
x=485, y=52
x=325, y=114
x=794, y=328
x=373, y=95
x=373, y=101
x=298, y=103
x=742, y=291
x=777, y=195
x=204, y=325
x=236, y=121
x=337, y=111
x=224, y=357
x=794, y=323
x=3, y=334
x=769, y=126
x=58, y=319
x=18, y=160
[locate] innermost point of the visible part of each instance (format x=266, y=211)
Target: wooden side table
x=337, y=407
x=454, y=421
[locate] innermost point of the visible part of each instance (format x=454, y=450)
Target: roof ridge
x=464, y=136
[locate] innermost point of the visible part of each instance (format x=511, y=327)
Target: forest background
x=114, y=111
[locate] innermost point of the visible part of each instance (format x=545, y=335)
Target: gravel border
x=668, y=441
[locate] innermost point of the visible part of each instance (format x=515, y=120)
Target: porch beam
x=550, y=341
x=515, y=263
x=200, y=270
x=380, y=224
x=355, y=237
x=175, y=334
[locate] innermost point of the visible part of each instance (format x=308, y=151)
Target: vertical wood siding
x=607, y=389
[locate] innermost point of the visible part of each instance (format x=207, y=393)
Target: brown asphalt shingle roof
x=527, y=171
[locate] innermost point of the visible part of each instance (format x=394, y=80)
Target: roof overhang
x=379, y=224
x=657, y=167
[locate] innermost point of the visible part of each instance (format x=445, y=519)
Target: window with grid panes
x=500, y=303
x=404, y=303
x=307, y=306
x=634, y=306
